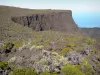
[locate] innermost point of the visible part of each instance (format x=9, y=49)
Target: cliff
x=54, y=20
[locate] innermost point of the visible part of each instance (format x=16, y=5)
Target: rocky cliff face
x=59, y=21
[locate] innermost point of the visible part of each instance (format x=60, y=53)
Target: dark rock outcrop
x=59, y=21
x=5, y=72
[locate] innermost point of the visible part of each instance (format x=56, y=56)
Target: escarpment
x=58, y=21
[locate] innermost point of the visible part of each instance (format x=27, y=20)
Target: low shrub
x=71, y=70
x=88, y=69
x=47, y=73
x=8, y=47
x=4, y=65
x=23, y=71
x=18, y=44
x=71, y=45
x=65, y=51
x=90, y=41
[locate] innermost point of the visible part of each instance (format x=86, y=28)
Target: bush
x=18, y=44
x=47, y=42
x=30, y=72
x=65, y=51
x=90, y=41
x=71, y=45
x=4, y=65
x=24, y=71
x=47, y=73
x=88, y=70
x=43, y=62
x=8, y=47
x=71, y=70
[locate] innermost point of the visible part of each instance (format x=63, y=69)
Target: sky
x=86, y=13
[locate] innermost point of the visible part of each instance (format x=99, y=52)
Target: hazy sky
x=86, y=13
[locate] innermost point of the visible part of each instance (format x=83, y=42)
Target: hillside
x=45, y=42
x=92, y=32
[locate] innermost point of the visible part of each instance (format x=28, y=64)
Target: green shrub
x=71, y=70
x=8, y=46
x=23, y=71
x=47, y=73
x=71, y=45
x=18, y=72
x=84, y=61
x=88, y=69
x=71, y=39
x=79, y=67
x=4, y=65
x=44, y=62
x=30, y=72
x=47, y=42
x=18, y=44
x=65, y=51
x=90, y=41
x=98, y=64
